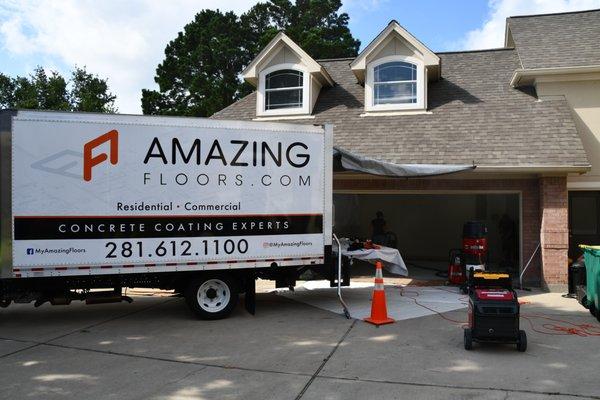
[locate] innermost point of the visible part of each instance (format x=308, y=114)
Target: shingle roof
x=557, y=40
x=475, y=117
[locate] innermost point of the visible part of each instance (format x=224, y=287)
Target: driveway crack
x=325, y=360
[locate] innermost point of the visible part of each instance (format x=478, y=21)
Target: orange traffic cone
x=378, y=306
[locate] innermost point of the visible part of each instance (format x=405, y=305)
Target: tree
x=7, y=91
x=39, y=91
x=314, y=24
x=43, y=91
x=91, y=93
x=200, y=74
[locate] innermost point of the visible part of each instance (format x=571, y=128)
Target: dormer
x=287, y=79
x=395, y=68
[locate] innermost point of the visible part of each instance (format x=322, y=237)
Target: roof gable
x=394, y=31
x=279, y=42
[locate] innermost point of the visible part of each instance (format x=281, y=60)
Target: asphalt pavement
x=155, y=349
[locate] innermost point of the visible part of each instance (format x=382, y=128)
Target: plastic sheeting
x=400, y=299
x=344, y=160
x=391, y=258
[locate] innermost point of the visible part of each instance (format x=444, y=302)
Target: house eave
x=533, y=168
x=527, y=76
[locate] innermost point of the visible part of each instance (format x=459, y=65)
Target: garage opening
x=584, y=221
x=427, y=226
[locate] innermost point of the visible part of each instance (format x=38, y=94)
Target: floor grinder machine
x=493, y=311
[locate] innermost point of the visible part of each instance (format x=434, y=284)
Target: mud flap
x=250, y=296
x=345, y=273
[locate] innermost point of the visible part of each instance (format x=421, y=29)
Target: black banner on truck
x=121, y=227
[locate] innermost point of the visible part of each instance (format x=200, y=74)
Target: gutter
x=535, y=168
x=531, y=73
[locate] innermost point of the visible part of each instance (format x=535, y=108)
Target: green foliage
x=200, y=74
x=7, y=91
x=43, y=91
x=314, y=24
x=90, y=93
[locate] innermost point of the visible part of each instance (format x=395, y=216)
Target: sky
x=124, y=41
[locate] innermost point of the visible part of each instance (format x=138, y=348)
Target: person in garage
x=379, y=228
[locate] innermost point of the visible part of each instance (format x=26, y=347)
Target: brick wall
x=531, y=206
x=554, y=232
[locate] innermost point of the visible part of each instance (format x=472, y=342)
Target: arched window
x=283, y=89
x=395, y=82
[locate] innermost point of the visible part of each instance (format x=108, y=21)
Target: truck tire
x=468, y=339
x=212, y=296
x=522, y=341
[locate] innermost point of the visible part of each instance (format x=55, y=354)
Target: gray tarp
x=344, y=160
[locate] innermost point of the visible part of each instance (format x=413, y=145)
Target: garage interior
x=428, y=225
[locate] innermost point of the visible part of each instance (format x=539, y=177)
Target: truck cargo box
x=113, y=195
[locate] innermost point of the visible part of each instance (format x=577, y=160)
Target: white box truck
x=204, y=207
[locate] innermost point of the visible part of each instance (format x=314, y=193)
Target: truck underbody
x=96, y=289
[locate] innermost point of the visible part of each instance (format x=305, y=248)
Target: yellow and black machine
x=493, y=311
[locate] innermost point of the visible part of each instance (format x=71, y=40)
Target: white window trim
x=260, y=96
x=369, y=86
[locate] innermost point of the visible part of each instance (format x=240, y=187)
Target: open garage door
x=427, y=226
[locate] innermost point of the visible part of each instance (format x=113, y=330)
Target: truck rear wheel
x=213, y=296
x=522, y=341
x=468, y=339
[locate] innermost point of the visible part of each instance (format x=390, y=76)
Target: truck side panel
x=39, y=206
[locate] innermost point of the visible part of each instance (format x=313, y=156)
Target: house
x=526, y=115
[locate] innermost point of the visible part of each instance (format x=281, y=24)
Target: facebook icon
x=29, y=251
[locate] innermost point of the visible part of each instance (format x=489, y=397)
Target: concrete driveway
x=154, y=349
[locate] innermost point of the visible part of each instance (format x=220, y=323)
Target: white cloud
x=121, y=41
x=491, y=32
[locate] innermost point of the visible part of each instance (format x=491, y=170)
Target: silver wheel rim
x=213, y=295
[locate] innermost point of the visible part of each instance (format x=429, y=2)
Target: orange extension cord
x=562, y=327
x=559, y=328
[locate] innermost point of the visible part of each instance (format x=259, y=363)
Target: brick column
x=554, y=232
